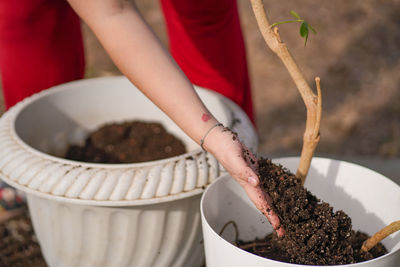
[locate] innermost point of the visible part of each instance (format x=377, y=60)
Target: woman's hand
x=241, y=164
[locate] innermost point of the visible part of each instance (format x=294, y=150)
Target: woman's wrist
x=202, y=141
x=215, y=138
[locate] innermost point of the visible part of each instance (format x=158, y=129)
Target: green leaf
x=304, y=29
x=304, y=26
x=304, y=32
x=312, y=29
x=305, y=40
x=294, y=14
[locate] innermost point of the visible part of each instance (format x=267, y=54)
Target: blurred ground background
x=357, y=55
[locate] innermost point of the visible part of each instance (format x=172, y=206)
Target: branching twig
x=380, y=235
x=253, y=245
x=236, y=230
x=311, y=135
x=312, y=102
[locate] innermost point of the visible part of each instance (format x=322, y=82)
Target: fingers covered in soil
x=242, y=165
x=263, y=203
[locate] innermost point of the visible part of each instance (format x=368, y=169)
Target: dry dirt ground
x=356, y=53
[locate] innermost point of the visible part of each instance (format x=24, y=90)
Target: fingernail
x=253, y=181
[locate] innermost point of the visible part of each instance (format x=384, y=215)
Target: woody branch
x=312, y=102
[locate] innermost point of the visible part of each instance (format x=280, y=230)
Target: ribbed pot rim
x=110, y=203
x=9, y=139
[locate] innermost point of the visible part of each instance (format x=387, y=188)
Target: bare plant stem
x=253, y=245
x=380, y=235
x=245, y=246
x=312, y=102
x=236, y=230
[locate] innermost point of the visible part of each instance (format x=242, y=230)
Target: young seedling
x=305, y=27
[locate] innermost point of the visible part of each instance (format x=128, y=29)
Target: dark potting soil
x=128, y=142
x=314, y=233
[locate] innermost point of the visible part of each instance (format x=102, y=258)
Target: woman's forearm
x=140, y=56
x=144, y=61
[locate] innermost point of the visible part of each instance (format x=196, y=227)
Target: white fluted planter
x=164, y=234
x=371, y=200
x=87, y=214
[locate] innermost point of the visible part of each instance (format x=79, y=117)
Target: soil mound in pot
x=314, y=233
x=128, y=142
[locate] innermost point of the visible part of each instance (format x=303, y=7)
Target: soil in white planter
x=314, y=233
x=128, y=142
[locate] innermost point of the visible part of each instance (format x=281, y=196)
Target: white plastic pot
x=370, y=199
x=163, y=234
x=85, y=214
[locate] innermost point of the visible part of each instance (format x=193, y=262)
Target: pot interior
x=370, y=199
x=65, y=114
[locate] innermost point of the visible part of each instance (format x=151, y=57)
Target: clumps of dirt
x=314, y=233
x=128, y=142
x=18, y=244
